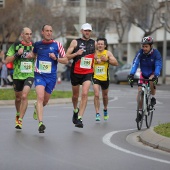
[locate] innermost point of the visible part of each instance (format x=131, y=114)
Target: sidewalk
x=151, y=138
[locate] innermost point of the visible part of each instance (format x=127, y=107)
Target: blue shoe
x=97, y=117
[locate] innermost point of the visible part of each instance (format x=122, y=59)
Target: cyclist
x=150, y=62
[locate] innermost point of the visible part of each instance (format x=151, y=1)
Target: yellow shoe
x=35, y=111
x=19, y=124
x=106, y=116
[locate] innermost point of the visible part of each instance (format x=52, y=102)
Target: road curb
x=151, y=138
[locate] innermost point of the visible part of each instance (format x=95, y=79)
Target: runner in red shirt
x=82, y=52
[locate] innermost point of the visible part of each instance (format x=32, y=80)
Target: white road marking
x=115, y=107
x=115, y=98
x=106, y=140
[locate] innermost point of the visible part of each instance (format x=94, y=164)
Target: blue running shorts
x=46, y=80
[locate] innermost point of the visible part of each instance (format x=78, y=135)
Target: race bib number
x=86, y=63
x=45, y=66
x=100, y=70
x=26, y=67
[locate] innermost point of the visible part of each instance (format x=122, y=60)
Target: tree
x=36, y=15
x=17, y=15
x=166, y=14
x=119, y=19
x=145, y=14
x=10, y=21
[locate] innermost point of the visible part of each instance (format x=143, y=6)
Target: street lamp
x=163, y=3
x=82, y=16
x=164, y=52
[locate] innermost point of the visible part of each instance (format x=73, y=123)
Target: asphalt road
x=104, y=145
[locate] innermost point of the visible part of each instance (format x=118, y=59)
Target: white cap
x=86, y=26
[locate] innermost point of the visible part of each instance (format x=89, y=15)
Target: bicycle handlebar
x=147, y=80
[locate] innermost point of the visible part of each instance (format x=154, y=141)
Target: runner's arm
x=10, y=54
x=158, y=64
x=69, y=54
x=62, y=56
x=111, y=59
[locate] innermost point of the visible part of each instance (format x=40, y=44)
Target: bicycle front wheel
x=140, y=112
x=149, y=116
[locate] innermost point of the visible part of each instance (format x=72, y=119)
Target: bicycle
x=144, y=107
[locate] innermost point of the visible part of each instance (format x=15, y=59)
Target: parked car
x=121, y=75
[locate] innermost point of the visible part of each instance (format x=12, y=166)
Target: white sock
x=152, y=95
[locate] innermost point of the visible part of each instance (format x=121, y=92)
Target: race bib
x=100, y=70
x=86, y=63
x=26, y=67
x=45, y=66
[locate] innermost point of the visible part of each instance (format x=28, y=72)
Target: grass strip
x=163, y=129
x=8, y=94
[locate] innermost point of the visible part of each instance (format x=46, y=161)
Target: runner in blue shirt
x=150, y=62
x=48, y=53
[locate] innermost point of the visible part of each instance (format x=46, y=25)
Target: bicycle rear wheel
x=149, y=116
x=140, y=112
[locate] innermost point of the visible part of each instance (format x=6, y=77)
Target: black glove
x=131, y=79
x=155, y=80
x=17, y=56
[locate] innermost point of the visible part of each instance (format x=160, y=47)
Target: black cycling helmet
x=147, y=40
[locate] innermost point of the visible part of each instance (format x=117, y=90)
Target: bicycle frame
x=146, y=91
x=144, y=107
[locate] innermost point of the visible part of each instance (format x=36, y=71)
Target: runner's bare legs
x=96, y=88
x=84, y=97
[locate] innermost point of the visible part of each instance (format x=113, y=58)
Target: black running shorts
x=104, y=84
x=79, y=79
x=19, y=84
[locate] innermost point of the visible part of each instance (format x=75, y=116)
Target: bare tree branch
x=146, y=16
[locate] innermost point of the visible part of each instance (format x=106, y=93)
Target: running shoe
x=106, y=116
x=35, y=111
x=41, y=127
x=153, y=101
x=75, y=116
x=18, y=124
x=97, y=117
x=79, y=123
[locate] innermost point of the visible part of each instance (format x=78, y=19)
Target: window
x=2, y=3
